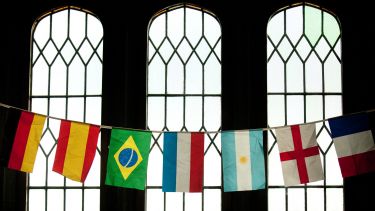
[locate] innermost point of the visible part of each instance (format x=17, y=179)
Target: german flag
x=20, y=134
x=75, y=151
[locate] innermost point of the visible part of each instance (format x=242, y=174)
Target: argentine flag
x=243, y=160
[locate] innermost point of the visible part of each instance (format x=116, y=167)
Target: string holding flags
x=242, y=151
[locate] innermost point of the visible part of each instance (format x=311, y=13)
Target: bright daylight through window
x=66, y=82
x=184, y=94
x=304, y=85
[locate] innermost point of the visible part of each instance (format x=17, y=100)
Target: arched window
x=184, y=94
x=65, y=82
x=304, y=85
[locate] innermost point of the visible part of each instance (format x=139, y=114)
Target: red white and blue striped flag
x=183, y=162
x=353, y=137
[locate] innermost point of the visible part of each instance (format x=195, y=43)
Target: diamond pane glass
x=184, y=50
x=183, y=94
x=50, y=52
x=67, y=51
x=313, y=93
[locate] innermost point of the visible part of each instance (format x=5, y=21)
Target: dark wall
x=243, y=78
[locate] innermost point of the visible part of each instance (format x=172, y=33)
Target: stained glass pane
x=294, y=24
x=194, y=76
x=55, y=200
x=154, y=199
x=73, y=200
x=275, y=27
x=77, y=27
x=193, y=111
x=40, y=78
x=37, y=200
x=193, y=26
x=60, y=27
x=92, y=200
x=294, y=74
x=58, y=77
x=276, y=199
x=314, y=108
x=331, y=28
x=332, y=74
x=295, y=109
x=335, y=199
x=276, y=110
x=315, y=199
x=296, y=199
x=193, y=201
x=275, y=68
x=175, y=113
x=212, y=76
x=313, y=74
x=313, y=24
x=174, y=201
x=212, y=199
x=156, y=76
x=175, y=29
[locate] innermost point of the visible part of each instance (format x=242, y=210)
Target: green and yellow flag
x=128, y=158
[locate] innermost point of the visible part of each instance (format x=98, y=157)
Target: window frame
x=208, y=137
x=85, y=96
x=304, y=94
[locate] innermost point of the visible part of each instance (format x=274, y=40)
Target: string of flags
x=243, y=161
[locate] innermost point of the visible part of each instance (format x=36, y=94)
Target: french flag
x=183, y=162
x=353, y=137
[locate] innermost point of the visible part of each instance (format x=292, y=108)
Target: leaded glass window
x=304, y=85
x=184, y=94
x=66, y=83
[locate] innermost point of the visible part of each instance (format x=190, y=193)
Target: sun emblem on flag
x=128, y=157
x=244, y=159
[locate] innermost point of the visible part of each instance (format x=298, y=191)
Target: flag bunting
x=183, y=152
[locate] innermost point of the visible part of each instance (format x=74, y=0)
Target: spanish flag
x=75, y=151
x=20, y=134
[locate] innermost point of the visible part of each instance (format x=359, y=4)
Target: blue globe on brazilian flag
x=128, y=158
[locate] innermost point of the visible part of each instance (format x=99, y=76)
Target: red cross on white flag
x=299, y=154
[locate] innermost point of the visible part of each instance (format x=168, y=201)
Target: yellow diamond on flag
x=128, y=157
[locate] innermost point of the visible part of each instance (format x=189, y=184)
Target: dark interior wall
x=243, y=78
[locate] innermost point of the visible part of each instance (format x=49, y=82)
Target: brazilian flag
x=128, y=158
